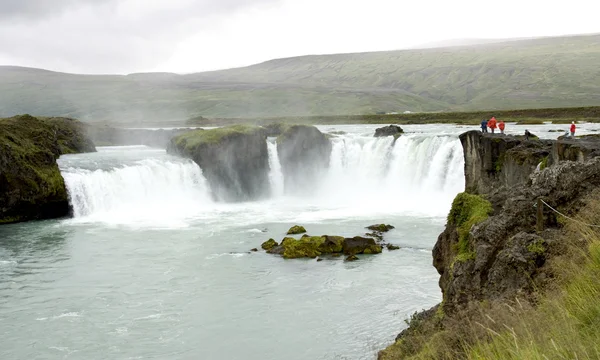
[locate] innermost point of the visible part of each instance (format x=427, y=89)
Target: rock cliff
x=304, y=154
x=31, y=186
x=491, y=249
x=234, y=160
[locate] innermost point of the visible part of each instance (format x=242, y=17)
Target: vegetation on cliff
x=467, y=210
x=563, y=323
x=31, y=186
x=526, y=287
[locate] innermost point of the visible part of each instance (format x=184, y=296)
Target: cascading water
x=152, y=191
x=275, y=174
x=413, y=175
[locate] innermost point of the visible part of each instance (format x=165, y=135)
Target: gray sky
x=124, y=36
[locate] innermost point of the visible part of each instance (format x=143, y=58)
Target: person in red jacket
x=573, y=127
x=492, y=124
x=501, y=126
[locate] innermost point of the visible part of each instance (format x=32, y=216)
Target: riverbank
x=523, y=116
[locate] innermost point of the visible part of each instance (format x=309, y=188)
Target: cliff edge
x=496, y=244
x=31, y=186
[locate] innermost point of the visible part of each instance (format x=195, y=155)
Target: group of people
x=492, y=124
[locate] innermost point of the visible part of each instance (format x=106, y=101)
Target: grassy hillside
x=538, y=73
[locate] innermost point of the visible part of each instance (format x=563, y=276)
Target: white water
x=415, y=175
x=158, y=192
x=275, y=175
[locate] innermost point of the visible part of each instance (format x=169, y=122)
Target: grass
x=564, y=322
x=539, y=73
x=193, y=139
x=467, y=210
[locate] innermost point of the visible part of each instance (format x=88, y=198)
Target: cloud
x=123, y=36
x=104, y=36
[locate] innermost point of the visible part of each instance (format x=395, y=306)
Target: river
x=149, y=267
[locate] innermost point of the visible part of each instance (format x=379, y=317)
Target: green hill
x=536, y=73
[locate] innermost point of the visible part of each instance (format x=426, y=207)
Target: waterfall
x=150, y=192
x=419, y=174
x=275, y=174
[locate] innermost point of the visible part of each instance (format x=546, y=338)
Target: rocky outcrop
x=304, y=154
x=31, y=186
x=497, y=161
x=111, y=136
x=491, y=250
x=390, y=130
x=234, y=160
x=576, y=149
x=296, y=229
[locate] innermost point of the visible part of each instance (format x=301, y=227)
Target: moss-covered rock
x=467, y=210
x=234, y=160
x=31, y=186
x=332, y=244
x=392, y=247
x=360, y=245
x=304, y=247
x=380, y=227
x=269, y=244
x=296, y=229
x=352, y=258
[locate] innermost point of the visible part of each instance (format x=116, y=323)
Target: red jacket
x=492, y=123
x=573, y=128
x=501, y=125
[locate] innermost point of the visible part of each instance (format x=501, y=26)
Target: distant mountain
x=532, y=73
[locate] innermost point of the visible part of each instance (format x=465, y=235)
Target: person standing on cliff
x=492, y=124
x=484, y=125
x=501, y=127
x=573, y=127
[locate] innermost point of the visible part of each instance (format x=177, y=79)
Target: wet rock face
x=494, y=161
x=304, y=154
x=234, y=160
x=31, y=186
x=579, y=149
x=390, y=130
x=507, y=254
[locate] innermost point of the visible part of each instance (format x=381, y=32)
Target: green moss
x=269, y=244
x=499, y=163
x=304, y=247
x=467, y=210
x=537, y=247
x=332, y=244
x=373, y=249
x=296, y=229
x=193, y=139
x=380, y=227
x=544, y=163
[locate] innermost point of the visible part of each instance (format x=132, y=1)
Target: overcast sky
x=124, y=36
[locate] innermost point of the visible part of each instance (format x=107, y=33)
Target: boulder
x=296, y=229
x=304, y=247
x=234, y=160
x=304, y=154
x=391, y=247
x=360, y=245
x=352, y=258
x=380, y=228
x=31, y=185
x=390, y=130
x=269, y=244
x=254, y=249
